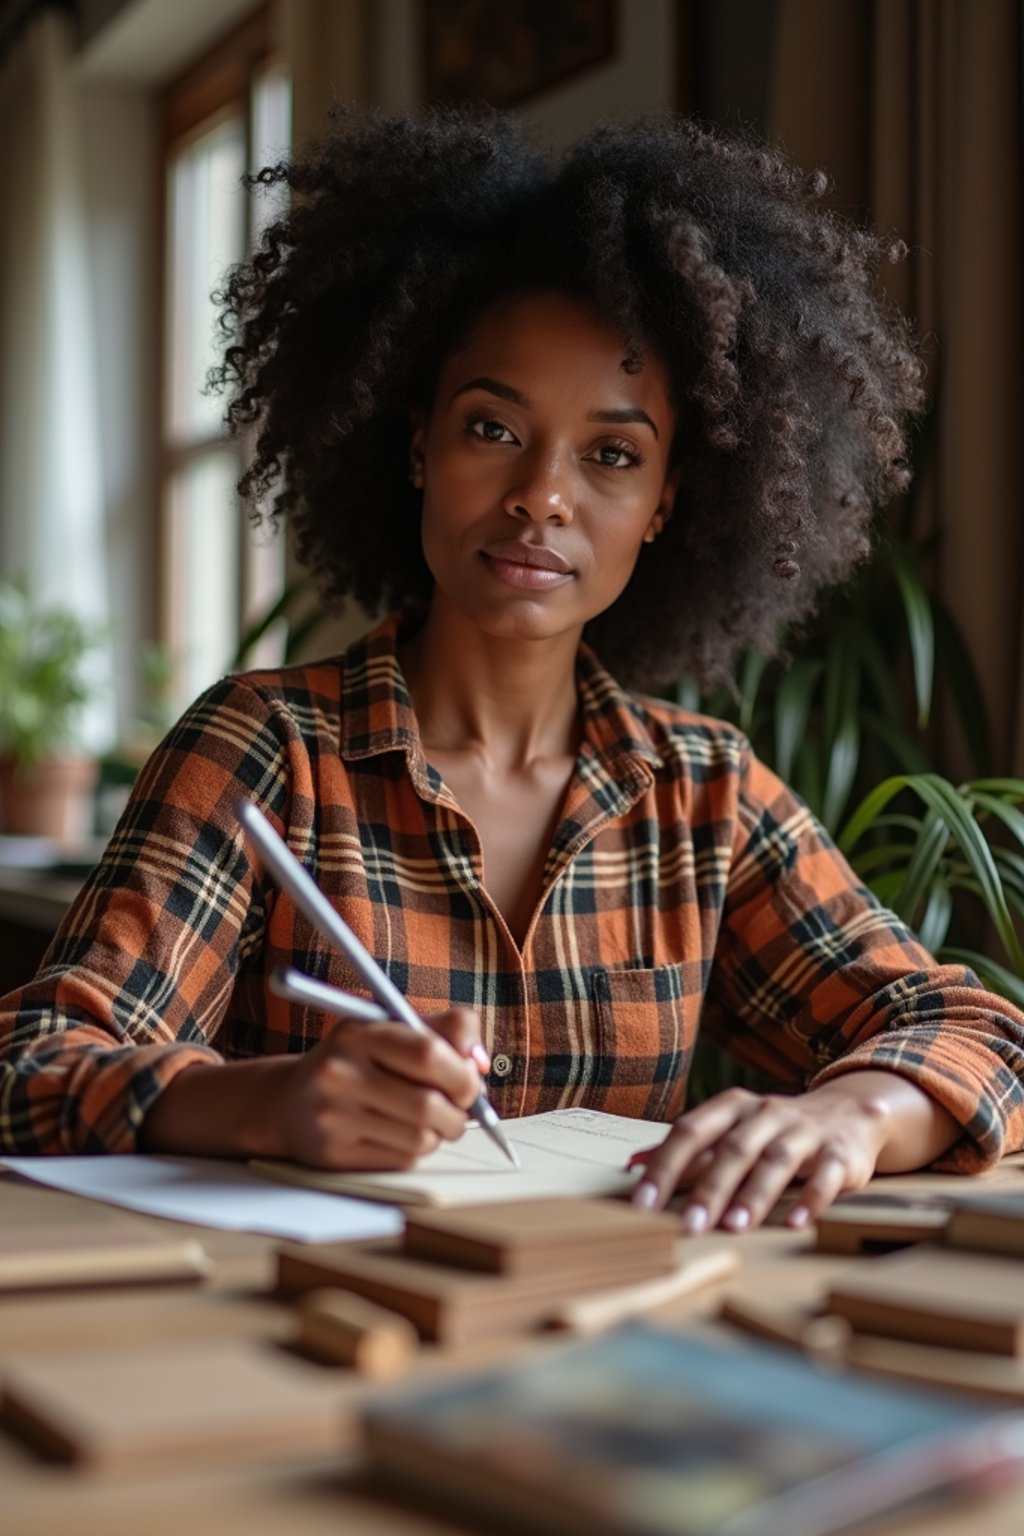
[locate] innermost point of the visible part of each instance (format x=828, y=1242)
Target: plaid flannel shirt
x=685, y=888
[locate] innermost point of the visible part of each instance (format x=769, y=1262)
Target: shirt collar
x=378, y=717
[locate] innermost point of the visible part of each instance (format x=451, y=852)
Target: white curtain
x=51, y=494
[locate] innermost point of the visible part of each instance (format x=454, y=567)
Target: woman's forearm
x=219, y=1111
x=915, y=1129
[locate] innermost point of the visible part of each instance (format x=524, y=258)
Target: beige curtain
x=915, y=109
x=51, y=500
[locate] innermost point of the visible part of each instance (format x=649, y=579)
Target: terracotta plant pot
x=53, y=798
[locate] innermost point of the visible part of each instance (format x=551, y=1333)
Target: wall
x=641, y=79
x=119, y=152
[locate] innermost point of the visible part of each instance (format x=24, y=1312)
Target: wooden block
x=536, y=1236
x=992, y=1224
x=350, y=1330
x=447, y=1303
x=997, y=1378
x=867, y=1228
x=174, y=1403
x=826, y=1337
x=831, y=1340
x=118, y=1321
x=936, y=1296
x=695, y=1270
x=117, y=1251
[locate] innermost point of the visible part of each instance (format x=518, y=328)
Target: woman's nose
x=543, y=494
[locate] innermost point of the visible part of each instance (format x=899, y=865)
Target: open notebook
x=564, y=1152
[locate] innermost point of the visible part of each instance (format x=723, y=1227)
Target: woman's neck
x=510, y=701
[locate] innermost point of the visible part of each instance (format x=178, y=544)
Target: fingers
x=428, y=1058
x=461, y=1028
x=692, y=1134
x=382, y=1093
x=740, y=1151
x=366, y=1140
x=826, y=1179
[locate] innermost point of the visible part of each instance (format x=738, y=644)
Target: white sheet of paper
x=211, y=1193
x=562, y=1152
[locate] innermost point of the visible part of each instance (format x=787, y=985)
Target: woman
x=637, y=408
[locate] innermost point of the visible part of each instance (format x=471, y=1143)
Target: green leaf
x=885, y=886
x=884, y=856
x=808, y=779
x=1013, y=788
x=938, y=914
x=923, y=866
x=687, y=694
x=995, y=976
x=910, y=824
x=1007, y=814
x=842, y=770
x=842, y=727
x=751, y=673
x=258, y=628
x=792, y=706
x=940, y=795
x=42, y=682
x=1011, y=866
x=869, y=811
x=920, y=626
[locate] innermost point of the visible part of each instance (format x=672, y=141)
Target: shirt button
x=501, y=1066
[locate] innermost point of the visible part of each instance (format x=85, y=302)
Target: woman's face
x=543, y=464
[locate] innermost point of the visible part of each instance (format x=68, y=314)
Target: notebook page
x=577, y=1152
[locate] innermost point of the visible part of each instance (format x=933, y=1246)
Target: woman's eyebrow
x=633, y=415
x=495, y=387
x=627, y=416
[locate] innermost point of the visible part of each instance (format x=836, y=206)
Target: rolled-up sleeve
x=137, y=980
x=814, y=979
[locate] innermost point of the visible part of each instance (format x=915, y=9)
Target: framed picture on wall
x=504, y=54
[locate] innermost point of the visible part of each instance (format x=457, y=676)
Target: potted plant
x=46, y=783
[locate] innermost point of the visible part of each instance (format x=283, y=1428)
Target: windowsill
x=39, y=881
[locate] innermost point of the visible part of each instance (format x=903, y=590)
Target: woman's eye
x=491, y=431
x=616, y=456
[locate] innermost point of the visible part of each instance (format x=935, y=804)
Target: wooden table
x=319, y=1495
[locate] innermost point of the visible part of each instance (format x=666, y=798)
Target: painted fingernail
x=480, y=1055
x=799, y=1216
x=645, y=1195
x=695, y=1219
x=737, y=1219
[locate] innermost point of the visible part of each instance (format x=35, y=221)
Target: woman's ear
x=669, y=492
x=417, y=447
x=666, y=504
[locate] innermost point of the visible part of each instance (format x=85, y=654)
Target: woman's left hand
x=739, y=1150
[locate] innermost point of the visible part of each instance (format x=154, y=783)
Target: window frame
x=218, y=86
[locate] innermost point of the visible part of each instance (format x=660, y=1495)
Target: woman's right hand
x=380, y=1096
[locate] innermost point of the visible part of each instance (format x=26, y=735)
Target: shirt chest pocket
x=646, y=1028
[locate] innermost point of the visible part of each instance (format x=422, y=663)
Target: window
x=229, y=115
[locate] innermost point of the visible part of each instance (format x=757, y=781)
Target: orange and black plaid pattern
x=686, y=888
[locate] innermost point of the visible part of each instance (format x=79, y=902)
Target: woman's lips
x=531, y=566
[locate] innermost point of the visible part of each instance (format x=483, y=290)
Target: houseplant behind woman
x=46, y=785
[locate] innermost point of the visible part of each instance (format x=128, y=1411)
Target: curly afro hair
x=793, y=382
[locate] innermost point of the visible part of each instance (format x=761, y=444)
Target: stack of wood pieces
x=946, y=1309
x=477, y=1272
x=134, y=1370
